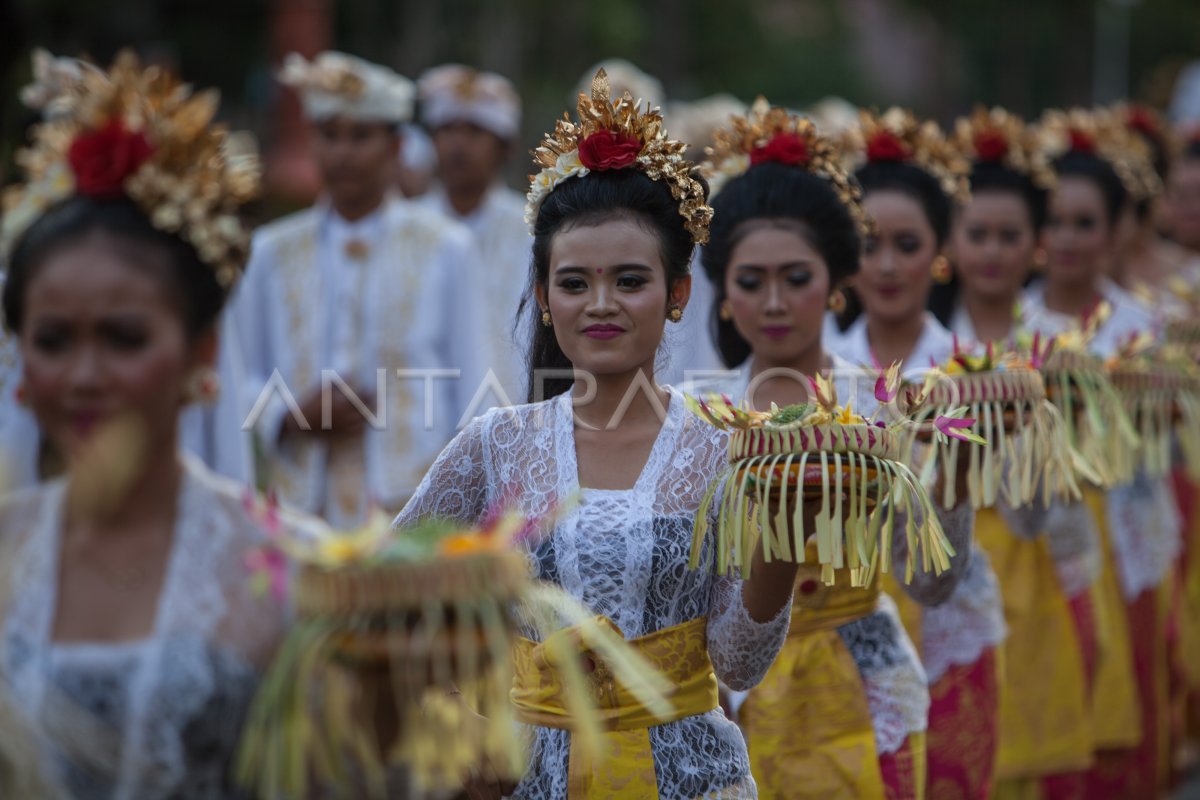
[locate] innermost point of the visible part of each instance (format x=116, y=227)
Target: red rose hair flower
x=1081, y=142
x=783, y=148
x=102, y=159
x=991, y=145
x=887, y=146
x=1143, y=121
x=605, y=150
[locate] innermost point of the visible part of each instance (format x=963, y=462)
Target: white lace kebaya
x=624, y=555
x=158, y=717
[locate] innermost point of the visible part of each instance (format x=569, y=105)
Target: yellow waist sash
x=808, y=724
x=818, y=607
x=680, y=653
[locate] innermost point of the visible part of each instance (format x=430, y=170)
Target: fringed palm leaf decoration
x=393, y=626
x=1161, y=392
x=1184, y=332
x=1101, y=436
x=1021, y=447
x=784, y=462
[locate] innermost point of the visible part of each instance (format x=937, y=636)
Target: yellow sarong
x=626, y=768
x=1045, y=711
x=1116, y=709
x=808, y=725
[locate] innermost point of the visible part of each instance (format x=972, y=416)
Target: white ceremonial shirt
x=393, y=316
x=502, y=272
x=1129, y=317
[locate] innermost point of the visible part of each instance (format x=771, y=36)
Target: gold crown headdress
x=771, y=133
x=617, y=135
x=1100, y=133
x=142, y=134
x=899, y=137
x=999, y=137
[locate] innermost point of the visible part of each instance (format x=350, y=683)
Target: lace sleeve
x=927, y=588
x=456, y=486
x=741, y=649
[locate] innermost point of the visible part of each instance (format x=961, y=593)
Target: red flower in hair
x=991, y=146
x=1143, y=121
x=784, y=148
x=887, y=146
x=102, y=159
x=1081, y=142
x=607, y=150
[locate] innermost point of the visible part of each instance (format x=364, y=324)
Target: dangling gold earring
x=549, y=323
x=203, y=386
x=674, y=312
x=941, y=270
x=837, y=301
x=724, y=312
x=1039, y=259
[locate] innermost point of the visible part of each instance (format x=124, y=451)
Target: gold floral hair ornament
x=140, y=133
x=896, y=136
x=773, y=134
x=612, y=135
x=1100, y=133
x=995, y=136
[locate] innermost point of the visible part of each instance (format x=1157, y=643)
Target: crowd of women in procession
x=1055, y=653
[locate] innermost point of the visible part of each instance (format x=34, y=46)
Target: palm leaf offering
x=788, y=463
x=1160, y=389
x=1020, y=436
x=399, y=662
x=1101, y=437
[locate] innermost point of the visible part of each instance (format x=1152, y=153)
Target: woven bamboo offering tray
x=390, y=624
x=1020, y=439
x=1160, y=390
x=411, y=612
x=819, y=471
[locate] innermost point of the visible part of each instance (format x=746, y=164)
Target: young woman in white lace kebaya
x=131, y=641
x=614, y=233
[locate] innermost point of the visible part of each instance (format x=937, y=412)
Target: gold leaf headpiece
x=771, y=133
x=140, y=133
x=897, y=136
x=617, y=135
x=1100, y=133
x=996, y=136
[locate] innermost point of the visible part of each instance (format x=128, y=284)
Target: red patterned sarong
x=964, y=725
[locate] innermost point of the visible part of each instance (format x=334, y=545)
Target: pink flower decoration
x=269, y=568
x=954, y=428
x=881, y=391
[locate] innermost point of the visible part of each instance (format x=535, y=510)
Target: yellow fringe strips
x=854, y=517
x=1162, y=399
x=1026, y=444
x=1102, y=438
